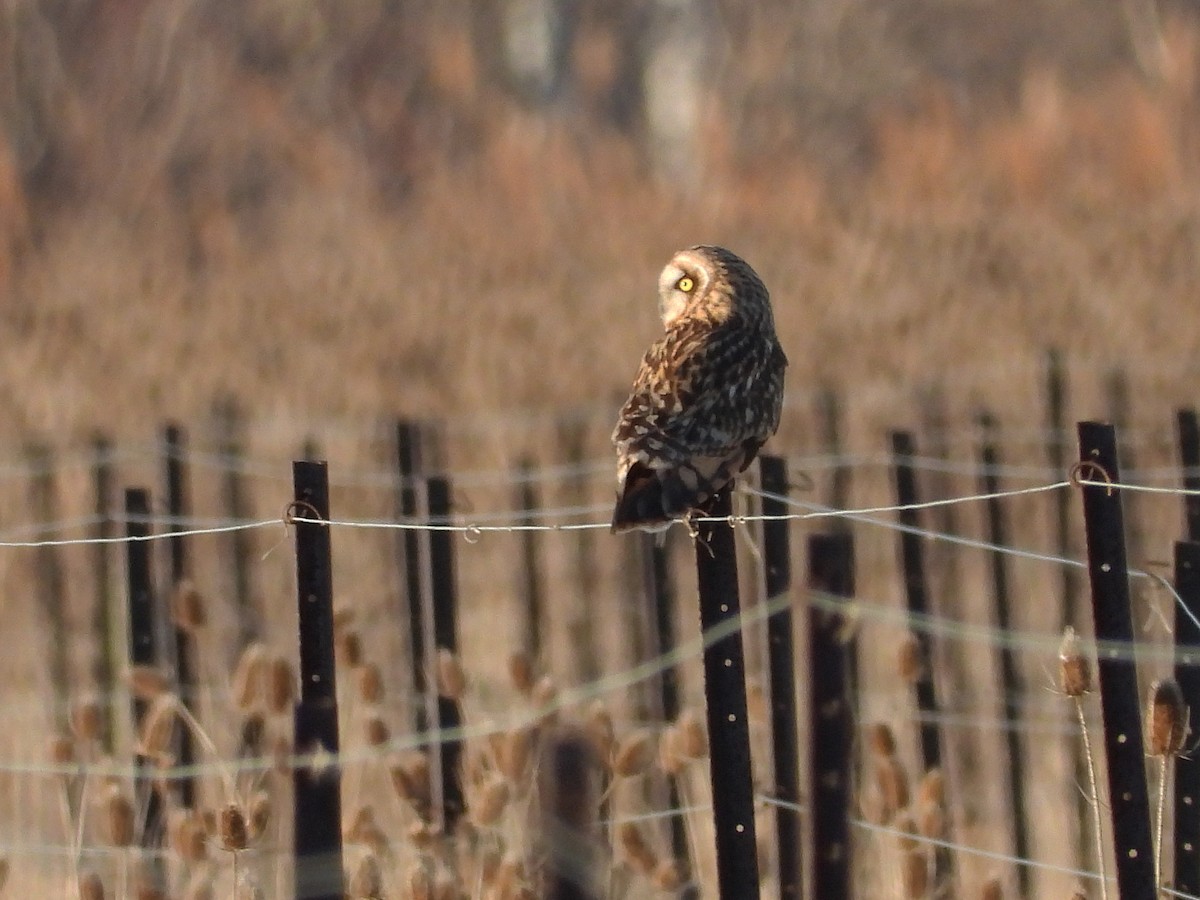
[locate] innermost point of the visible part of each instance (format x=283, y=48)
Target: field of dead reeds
x=335, y=219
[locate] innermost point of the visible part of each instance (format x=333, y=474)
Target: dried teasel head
x=636, y=849
x=87, y=719
x=349, y=648
x=515, y=751
x=598, y=726
x=376, y=731
x=232, y=828
x=991, y=890
x=693, y=737
x=1075, y=671
x=61, y=750
x=280, y=685
x=881, y=739
x=246, y=683
x=914, y=872
x=147, y=682
x=370, y=684
x=891, y=780
x=634, y=754
x=189, y=609
x=119, y=819
x=521, y=673
x=187, y=835
x=490, y=801
x=910, y=660
x=91, y=887
x=260, y=814
x=667, y=876
x=1166, y=719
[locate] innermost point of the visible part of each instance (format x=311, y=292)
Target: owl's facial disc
x=678, y=285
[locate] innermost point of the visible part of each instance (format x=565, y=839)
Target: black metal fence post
x=105, y=666
x=916, y=590
x=1010, y=680
x=1187, y=674
x=781, y=666
x=49, y=582
x=831, y=718
x=725, y=693
x=143, y=651
x=409, y=498
x=317, y=783
x=1188, y=427
x=236, y=507
x=531, y=569
x=1117, y=675
x=178, y=508
x=445, y=637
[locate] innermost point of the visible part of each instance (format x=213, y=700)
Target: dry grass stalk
x=634, y=754
x=451, y=679
x=281, y=755
x=1075, y=671
x=189, y=609
x=4, y=869
x=1075, y=677
x=367, y=881
x=147, y=682
x=120, y=826
x=87, y=719
x=636, y=849
x=370, y=684
x=521, y=673
x=233, y=830
x=281, y=686
x=246, y=685
x=90, y=887
x=1166, y=730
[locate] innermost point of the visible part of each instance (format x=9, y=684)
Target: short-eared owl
x=707, y=395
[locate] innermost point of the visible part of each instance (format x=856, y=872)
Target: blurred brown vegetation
x=249, y=197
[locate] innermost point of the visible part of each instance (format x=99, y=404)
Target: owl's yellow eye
x=685, y=284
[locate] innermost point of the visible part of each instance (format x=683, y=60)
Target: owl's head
x=712, y=284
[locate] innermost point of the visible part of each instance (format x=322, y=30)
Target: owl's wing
x=703, y=402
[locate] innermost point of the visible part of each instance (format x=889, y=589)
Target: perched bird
x=708, y=393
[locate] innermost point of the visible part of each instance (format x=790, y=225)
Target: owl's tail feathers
x=651, y=499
